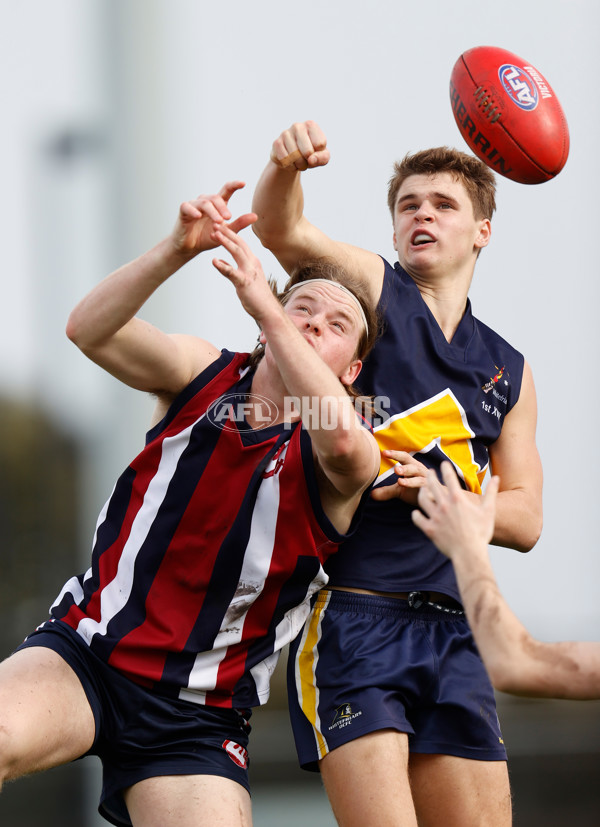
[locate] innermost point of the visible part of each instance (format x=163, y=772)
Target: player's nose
x=424, y=212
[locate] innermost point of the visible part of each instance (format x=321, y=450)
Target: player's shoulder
x=492, y=337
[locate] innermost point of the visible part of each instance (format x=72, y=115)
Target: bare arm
x=278, y=202
x=104, y=325
x=461, y=526
x=346, y=452
x=515, y=459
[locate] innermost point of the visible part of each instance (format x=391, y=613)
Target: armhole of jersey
x=201, y=381
x=312, y=486
x=517, y=390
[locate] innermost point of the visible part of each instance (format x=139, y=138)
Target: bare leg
x=188, y=801
x=459, y=792
x=367, y=781
x=45, y=717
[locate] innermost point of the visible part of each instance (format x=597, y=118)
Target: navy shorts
x=365, y=663
x=140, y=734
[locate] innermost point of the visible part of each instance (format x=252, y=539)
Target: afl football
x=509, y=115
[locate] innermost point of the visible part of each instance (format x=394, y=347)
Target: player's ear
x=485, y=233
x=348, y=377
x=262, y=338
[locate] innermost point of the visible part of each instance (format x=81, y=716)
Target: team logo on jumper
x=234, y=409
x=344, y=715
x=519, y=86
x=498, y=388
x=237, y=753
x=495, y=379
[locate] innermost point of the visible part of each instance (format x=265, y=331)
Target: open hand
x=457, y=521
x=248, y=278
x=193, y=232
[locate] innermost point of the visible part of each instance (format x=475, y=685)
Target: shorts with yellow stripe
x=365, y=663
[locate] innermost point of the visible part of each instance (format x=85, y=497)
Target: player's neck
x=268, y=384
x=445, y=292
x=447, y=304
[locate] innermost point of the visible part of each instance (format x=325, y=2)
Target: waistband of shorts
x=414, y=604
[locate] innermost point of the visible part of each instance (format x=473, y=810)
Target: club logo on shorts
x=237, y=753
x=344, y=715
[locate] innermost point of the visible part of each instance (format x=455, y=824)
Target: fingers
x=386, y=492
x=450, y=478
x=214, y=207
x=232, y=242
x=303, y=145
x=290, y=159
x=224, y=268
x=242, y=222
x=408, y=469
x=410, y=472
x=243, y=256
x=431, y=494
x=229, y=188
x=397, y=456
x=491, y=494
x=420, y=520
x=402, y=490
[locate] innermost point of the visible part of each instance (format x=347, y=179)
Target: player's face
x=435, y=229
x=330, y=321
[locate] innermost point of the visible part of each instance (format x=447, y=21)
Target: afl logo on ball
x=237, y=753
x=518, y=86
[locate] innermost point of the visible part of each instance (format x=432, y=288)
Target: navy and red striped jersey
x=206, y=553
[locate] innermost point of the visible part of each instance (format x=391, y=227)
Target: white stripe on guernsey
x=102, y=516
x=285, y=632
x=261, y=674
x=73, y=586
x=255, y=568
x=116, y=594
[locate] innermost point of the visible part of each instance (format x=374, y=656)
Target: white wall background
x=117, y=110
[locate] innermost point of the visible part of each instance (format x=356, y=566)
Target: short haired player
x=211, y=543
x=389, y=696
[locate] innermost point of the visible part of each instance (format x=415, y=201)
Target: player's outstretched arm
x=346, y=451
x=104, y=325
x=461, y=526
x=278, y=202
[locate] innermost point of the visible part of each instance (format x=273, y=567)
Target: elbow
x=523, y=530
x=258, y=231
x=269, y=240
x=512, y=670
x=345, y=455
x=78, y=333
x=341, y=449
x=74, y=330
x=504, y=678
x=531, y=533
x=509, y=674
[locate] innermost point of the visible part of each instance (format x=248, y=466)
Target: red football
x=508, y=114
